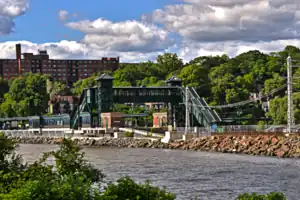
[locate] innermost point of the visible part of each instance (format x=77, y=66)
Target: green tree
x=129, y=74
x=4, y=88
x=58, y=88
x=210, y=61
x=82, y=84
x=274, y=83
x=10, y=164
x=278, y=109
x=6, y=108
x=27, y=96
x=195, y=75
x=296, y=80
x=169, y=62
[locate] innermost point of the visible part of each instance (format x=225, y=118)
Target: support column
x=174, y=117
x=170, y=117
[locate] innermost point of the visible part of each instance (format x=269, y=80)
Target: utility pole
x=290, y=112
x=187, y=112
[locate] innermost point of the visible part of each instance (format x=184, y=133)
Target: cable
x=241, y=103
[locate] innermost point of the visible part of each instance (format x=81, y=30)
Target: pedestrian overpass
x=102, y=97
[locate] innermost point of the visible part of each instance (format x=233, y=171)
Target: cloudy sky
x=139, y=30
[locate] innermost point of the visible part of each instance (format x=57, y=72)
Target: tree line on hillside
x=219, y=79
x=71, y=177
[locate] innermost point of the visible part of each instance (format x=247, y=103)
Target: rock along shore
x=280, y=146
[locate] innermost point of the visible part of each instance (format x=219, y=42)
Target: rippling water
x=210, y=176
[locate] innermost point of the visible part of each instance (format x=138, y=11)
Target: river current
x=209, y=176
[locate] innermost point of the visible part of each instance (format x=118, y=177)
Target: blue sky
x=41, y=24
x=189, y=28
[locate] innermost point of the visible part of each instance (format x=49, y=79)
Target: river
x=210, y=176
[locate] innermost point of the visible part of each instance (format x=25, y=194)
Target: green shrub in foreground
x=126, y=188
x=73, y=178
x=254, y=196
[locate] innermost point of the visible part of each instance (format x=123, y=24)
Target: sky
x=139, y=30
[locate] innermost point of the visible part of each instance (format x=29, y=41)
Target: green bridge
x=101, y=99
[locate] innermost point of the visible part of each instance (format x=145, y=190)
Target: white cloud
x=188, y=51
x=13, y=8
x=73, y=50
x=226, y=20
x=63, y=15
x=9, y=9
x=126, y=36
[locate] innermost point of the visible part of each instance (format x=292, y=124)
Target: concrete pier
x=171, y=136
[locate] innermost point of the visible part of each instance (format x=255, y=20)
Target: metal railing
x=196, y=131
x=235, y=129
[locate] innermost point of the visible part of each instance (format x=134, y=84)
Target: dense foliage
x=71, y=177
x=254, y=196
x=219, y=79
x=26, y=96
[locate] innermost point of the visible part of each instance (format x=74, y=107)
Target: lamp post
x=146, y=121
x=239, y=112
x=290, y=112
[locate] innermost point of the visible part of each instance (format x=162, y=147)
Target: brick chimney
x=18, y=51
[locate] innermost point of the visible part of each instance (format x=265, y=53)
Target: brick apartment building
x=67, y=71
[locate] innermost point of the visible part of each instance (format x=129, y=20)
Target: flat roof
x=136, y=115
x=150, y=87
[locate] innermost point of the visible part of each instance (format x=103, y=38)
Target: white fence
x=141, y=132
x=38, y=133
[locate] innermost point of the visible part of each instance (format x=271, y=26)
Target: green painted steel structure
x=100, y=99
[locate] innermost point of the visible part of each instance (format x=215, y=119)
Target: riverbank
x=280, y=146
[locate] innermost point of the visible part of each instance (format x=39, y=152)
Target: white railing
x=145, y=133
x=62, y=132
